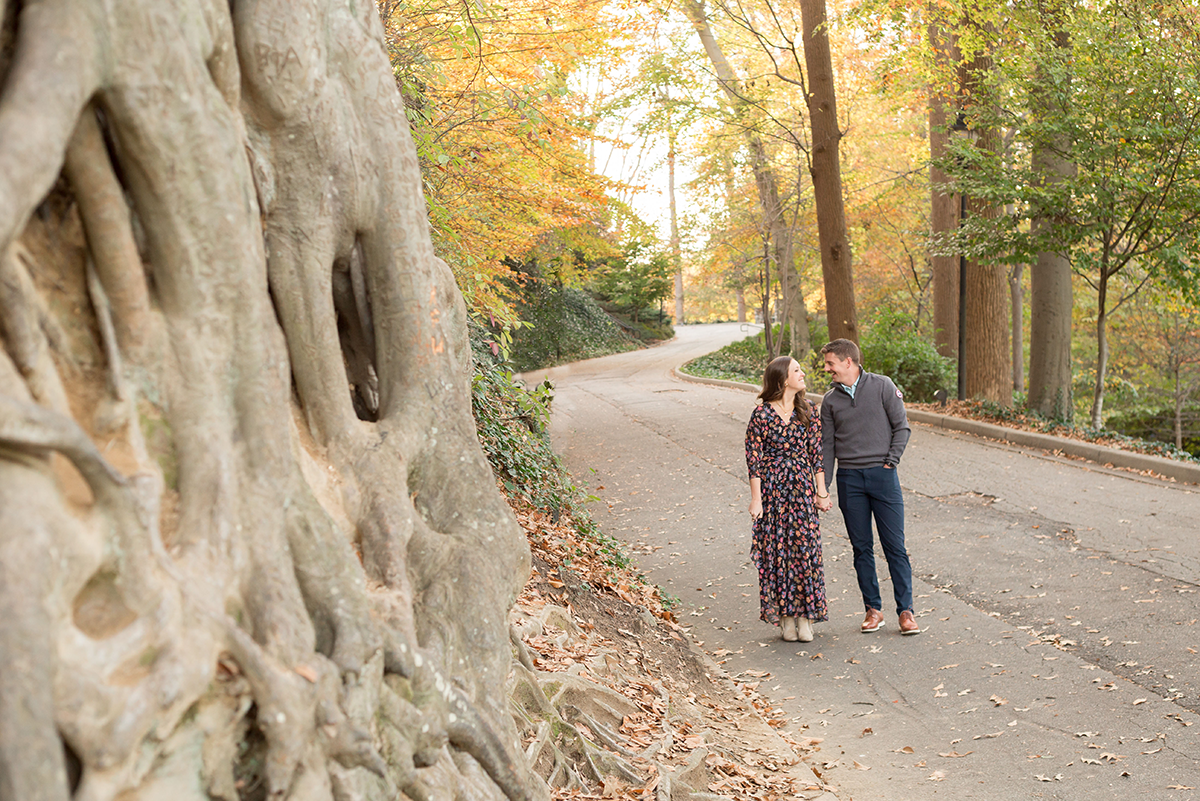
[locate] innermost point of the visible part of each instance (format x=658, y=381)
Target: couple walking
x=790, y=449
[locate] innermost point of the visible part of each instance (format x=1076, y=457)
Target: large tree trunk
x=987, y=373
x=1050, y=291
x=836, y=258
x=781, y=233
x=944, y=206
x=986, y=359
x=676, y=256
x=252, y=537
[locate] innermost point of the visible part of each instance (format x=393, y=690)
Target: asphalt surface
x=1057, y=597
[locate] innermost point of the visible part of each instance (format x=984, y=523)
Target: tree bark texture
x=986, y=357
x=837, y=266
x=944, y=206
x=1050, y=292
x=781, y=234
x=248, y=538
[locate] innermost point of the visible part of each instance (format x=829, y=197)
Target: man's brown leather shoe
x=908, y=623
x=873, y=621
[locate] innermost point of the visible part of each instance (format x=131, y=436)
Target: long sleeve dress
x=786, y=543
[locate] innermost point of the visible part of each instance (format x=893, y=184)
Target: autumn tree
x=1051, y=293
x=502, y=133
x=945, y=205
x=985, y=358
x=1157, y=350
x=782, y=238
x=826, y=170
x=248, y=538
x=1123, y=210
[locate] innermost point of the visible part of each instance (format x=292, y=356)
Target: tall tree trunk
x=1017, y=293
x=836, y=258
x=1050, y=291
x=987, y=372
x=741, y=305
x=764, y=179
x=1097, y=415
x=676, y=256
x=944, y=206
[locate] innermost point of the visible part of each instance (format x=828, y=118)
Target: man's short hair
x=843, y=349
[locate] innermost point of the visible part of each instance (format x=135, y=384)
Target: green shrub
x=1157, y=426
x=637, y=281
x=565, y=325
x=893, y=348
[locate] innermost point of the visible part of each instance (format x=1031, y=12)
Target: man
x=864, y=427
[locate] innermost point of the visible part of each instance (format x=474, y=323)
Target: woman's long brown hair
x=774, y=377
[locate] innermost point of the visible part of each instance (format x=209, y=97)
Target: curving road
x=1058, y=599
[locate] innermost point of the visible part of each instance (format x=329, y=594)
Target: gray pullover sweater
x=867, y=430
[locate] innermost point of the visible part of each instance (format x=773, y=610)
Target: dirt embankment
x=615, y=701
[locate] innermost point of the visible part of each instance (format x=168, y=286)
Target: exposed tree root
x=208, y=584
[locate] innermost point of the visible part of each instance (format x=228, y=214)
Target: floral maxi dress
x=786, y=543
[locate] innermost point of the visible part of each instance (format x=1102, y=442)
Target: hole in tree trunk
x=74, y=767
x=352, y=303
x=250, y=770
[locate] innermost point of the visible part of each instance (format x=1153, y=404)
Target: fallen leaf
x=908, y=749
x=1139, y=701
x=954, y=754
x=947, y=667
x=1179, y=787
x=998, y=701
x=867, y=731
x=860, y=765
x=987, y=736
x=937, y=776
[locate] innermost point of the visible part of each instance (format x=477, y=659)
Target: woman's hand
x=824, y=504
x=755, y=508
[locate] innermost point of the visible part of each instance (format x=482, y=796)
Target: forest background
x=661, y=159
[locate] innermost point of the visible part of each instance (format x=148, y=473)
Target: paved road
x=1058, y=598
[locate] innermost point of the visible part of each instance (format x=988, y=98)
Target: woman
x=787, y=488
